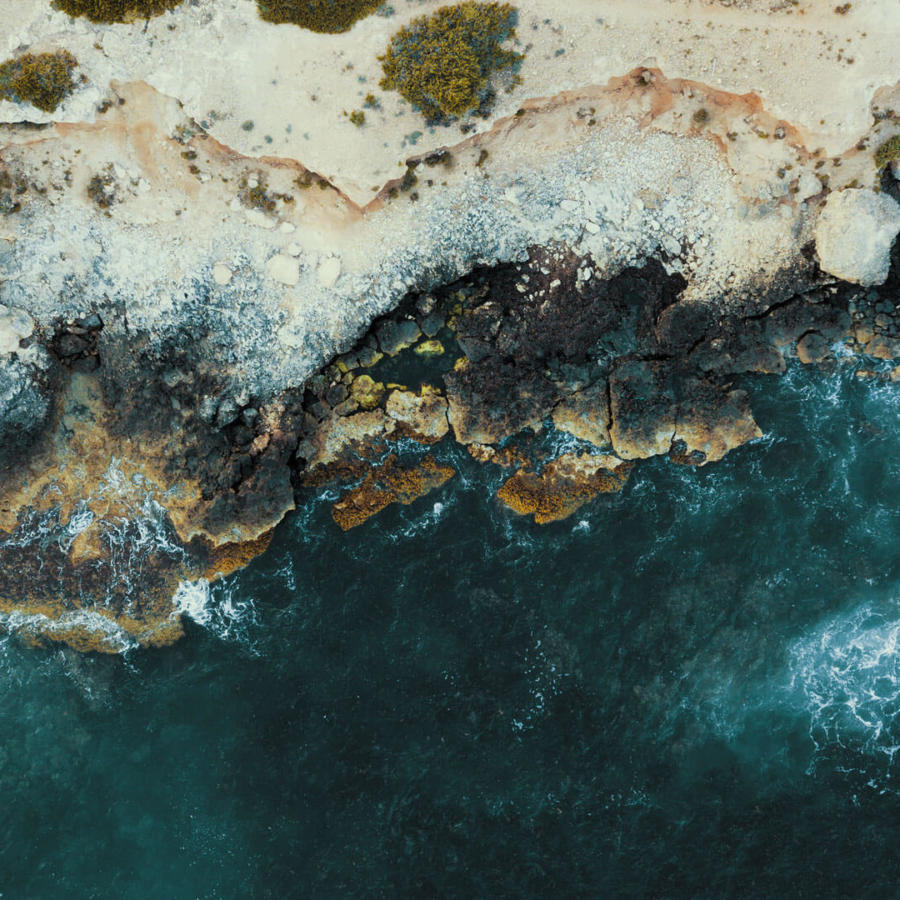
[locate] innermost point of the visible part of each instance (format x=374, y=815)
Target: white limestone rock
x=15, y=324
x=284, y=269
x=329, y=271
x=854, y=235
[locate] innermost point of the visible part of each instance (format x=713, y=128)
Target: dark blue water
x=691, y=689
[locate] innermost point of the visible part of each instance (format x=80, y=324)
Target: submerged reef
x=44, y=80
x=443, y=63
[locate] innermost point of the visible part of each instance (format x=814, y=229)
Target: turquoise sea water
x=691, y=689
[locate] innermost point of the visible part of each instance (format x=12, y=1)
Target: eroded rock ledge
x=188, y=333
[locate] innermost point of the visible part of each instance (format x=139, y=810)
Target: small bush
x=43, y=80
x=321, y=16
x=888, y=152
x=358, y=118
x=102, y=190
x=443, y=63
x=109, y=11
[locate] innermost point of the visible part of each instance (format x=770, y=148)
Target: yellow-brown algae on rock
x=43, y=80
x=482, y=453
x=421, y=416
x=585, y=415
x=387, y=484
x=564, y=485
x=124, y=531
x=109, y=11
x=711, y=422
x=342, y=446
x=429, y=348
x=228, y=558
x=366, y=391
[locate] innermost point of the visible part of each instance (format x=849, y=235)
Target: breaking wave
x=847, y=673
x=218, y=608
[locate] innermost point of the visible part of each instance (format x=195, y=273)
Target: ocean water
x=690, y=689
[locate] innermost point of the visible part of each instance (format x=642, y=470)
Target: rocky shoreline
x=216, y=334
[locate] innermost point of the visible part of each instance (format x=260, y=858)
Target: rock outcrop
x=854, y=235
x=564, y=486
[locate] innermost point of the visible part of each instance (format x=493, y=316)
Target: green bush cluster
x=321, y=16
x=888, y=152
x=44, y=80
x=443, y=63
x=108, y=11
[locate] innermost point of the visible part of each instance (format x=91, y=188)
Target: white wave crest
x=216, y=609
x=848, y=673
x=117, y=639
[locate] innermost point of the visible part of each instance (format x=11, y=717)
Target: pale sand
x=228, y=68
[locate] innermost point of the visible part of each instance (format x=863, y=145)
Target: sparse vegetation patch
x=44, y=80
x=443, y=63
x=102, y=190
x=109, y=11
x=321, y=16
x=888, y=152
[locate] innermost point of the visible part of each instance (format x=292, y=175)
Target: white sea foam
x=423, y=522
x=193, y=599
x=847, y=673
x=108, y=631
x=217, y=609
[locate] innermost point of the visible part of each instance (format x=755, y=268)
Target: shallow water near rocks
x=688, y=689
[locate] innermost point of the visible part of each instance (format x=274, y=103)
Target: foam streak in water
x=848, y=674
x=216, y=609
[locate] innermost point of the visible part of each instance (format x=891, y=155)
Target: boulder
x=813, y=348
x=643, y=409
x=711, y=421
x=396, y=336
x=422, y=416
x=341, y=436
x=654, y=411
x=492, y=401
x=585, y=415
x=854, y=234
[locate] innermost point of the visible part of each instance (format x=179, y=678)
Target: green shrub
x=888, y=151
x=43, y=80
x=443, y=63
x=322, y=16
x=109, y=11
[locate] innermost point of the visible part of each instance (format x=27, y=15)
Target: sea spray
x=846, y=673
x=218, y=608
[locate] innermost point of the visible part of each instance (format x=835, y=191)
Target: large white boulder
x=854, y=235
